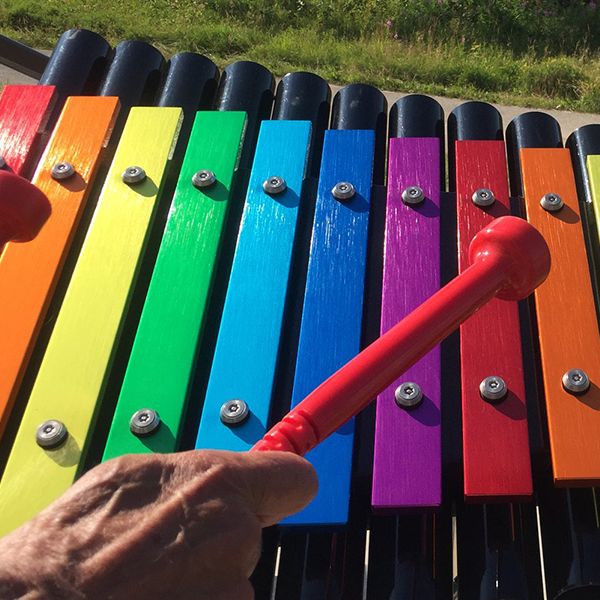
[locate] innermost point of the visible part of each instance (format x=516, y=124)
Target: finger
x=278, y=484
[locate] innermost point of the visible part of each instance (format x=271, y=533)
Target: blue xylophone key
x=330, y=332
x=247, y=349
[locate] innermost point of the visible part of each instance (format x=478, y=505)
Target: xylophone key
x=160, y=367
x=584, y=144
x=565, y=344
x=73, y=372
x=408, y=458
x=24, y=112
x=245, y=361
x=494, y=420
x=29, y=273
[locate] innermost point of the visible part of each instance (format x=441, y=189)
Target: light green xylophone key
x=162, y=360
x=75, y=367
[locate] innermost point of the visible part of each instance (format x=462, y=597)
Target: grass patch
x=539, y=53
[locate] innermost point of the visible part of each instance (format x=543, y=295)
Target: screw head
x=408, y=395
x=413, y=194
x=62, y=170
x=203, y=179
x=51, y=434
x=234, y=412
x=343, y=190
x=493, y=389
x=576, y=381
x=133, y=174
x=144, y=422
x=551, y=202
x=483, y=197
x=274, y=185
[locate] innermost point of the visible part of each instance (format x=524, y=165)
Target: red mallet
x=23, y=209
x=509, y=259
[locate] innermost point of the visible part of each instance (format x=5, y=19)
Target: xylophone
x=201, y=272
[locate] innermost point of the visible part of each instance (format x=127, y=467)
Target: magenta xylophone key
x=407, y=460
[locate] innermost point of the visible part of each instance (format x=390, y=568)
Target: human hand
x=174, y=526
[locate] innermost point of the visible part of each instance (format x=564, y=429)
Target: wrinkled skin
x=171, y=526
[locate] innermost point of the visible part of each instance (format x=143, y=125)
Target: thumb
x=279, y=484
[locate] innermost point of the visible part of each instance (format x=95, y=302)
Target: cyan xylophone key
x=74, y=371
x=408, y=456
x=160, y=367
x=29, y=273
x=247, y=350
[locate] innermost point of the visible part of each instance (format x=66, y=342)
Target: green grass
x=539, y=53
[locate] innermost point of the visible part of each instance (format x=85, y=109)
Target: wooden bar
x=29, y=272
x=161, y=366
x=24, y=110
x=407, y=463
x=248, y=343
x=73, y=373
x=495, y=437
x=566, y=318
x=330, y=332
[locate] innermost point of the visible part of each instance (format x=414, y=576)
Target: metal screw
x=144, y=422
x=343, y=190
x=134, y=174
x=274, y=185
x=551, y=202
x=493, y=389
x=62, y=170
x=51, y=434
x=483, y=197
x=408, y=395
x=203, y=179
x=234, y=412
x=576, y=381
x=413, y=194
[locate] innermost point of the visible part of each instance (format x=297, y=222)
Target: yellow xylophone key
x=74, y=369
x=593, y=166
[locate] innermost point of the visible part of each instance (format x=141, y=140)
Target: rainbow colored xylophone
x=201, y=271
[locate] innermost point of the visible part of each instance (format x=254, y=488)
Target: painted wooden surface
x=161, y=365
x=24, y=110
x=593, y=167
x=495, y=436
x=330, y=332
x=29, y=272
x=408, y=455
x=566, y=319
x=79, y=354
x=247, y=347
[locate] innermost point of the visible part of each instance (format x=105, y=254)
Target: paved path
x=568, y=120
